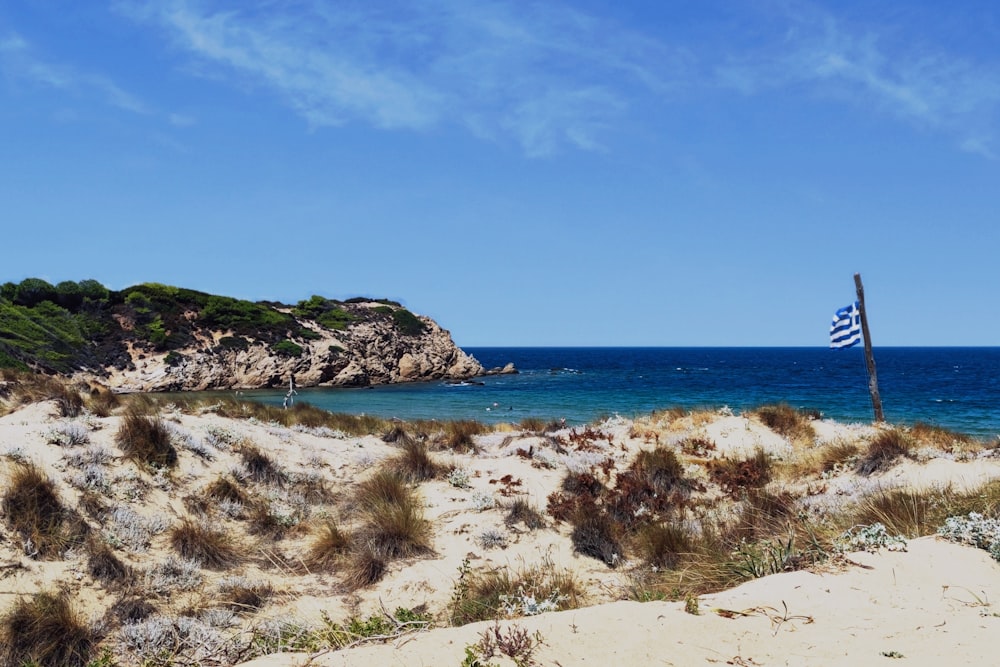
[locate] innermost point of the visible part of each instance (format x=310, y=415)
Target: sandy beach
x=257, y=540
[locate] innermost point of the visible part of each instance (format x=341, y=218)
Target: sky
x=661, y=173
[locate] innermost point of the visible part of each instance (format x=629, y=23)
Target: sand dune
x=928, y=605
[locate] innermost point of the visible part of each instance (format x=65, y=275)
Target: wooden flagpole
x=869, y=357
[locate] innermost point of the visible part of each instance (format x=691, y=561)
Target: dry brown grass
x=459, y=435
x=523, y=512
x=329, y=547
x=597, y=535
x=414, y=463
x=301, y=413
x=145, y=438
x=28, y=387
x=104, y=566
x=914, y=513
x=664, y=545
x=260, y=467
x=32, y=509
x=365, y=566
x=889, y=445
x=785, y=420
x=195, y=541
x=392, y=526
x=244, y=597
x=102, y=402
x=944, y=439
x=479, y=595
x=45, y=630
x=225, y=488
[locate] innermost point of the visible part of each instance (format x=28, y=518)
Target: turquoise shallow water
x=957, y=388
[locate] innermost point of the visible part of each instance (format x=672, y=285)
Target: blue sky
x=688, y=172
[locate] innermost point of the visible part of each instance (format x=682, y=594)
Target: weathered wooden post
x=869, y=357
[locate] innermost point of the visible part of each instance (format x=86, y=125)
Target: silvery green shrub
x=976, y=530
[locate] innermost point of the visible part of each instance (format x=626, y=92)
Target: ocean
x=956, y=388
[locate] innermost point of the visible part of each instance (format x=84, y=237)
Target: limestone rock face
x=366, y=353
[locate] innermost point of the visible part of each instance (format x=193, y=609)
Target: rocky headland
x=153, y=337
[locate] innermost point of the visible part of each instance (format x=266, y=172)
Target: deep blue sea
x=957, y=388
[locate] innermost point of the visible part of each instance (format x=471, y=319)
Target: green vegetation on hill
x=74, y=325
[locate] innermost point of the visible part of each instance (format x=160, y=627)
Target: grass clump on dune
x=506, y=592
x=392, y=527
x=785, y=420
x=145, y=438
x=261, y=468
x=414, y=463
x=29, y=387
x=520, y=511
x=45, y=630
x=942, y=438
x=195, y=541
x=888, y=446
x=329, y=547
x=664, y=545
x=32, y=509
x=735, y=476
x=459, y=435
x=104, y=566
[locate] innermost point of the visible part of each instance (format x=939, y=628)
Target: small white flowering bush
x=482, y=500
x=524, y=604
x=68, y=434
x=976, y=530
x=459, y=478
x=870, y=538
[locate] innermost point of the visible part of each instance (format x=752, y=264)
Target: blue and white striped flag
x=845, y=330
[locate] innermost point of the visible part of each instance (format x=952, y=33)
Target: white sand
x=930, y=604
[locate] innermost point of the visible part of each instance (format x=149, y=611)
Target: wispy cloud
x=19, y=61
x=872, y=67
x=544, y=76
x=548, y=76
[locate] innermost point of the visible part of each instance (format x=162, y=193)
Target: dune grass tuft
x=942, y=438
x=102, y=402
x=365, y=566
x=145, y=438
x=244, y=596
x=785, y=420
x=104, y=566
x=328, y=548
x=888, y=446
x=45, y=630
x=460, y=435
x=597, y=535
x=414, y=463
x=396, y=530
x=393, y=524
x=260, y=467
x=195, y=541
x=663, y=545
x=523, y=512
x=224, y=488
x=33, y=510
x=29, y=387
x=384, y=486
x=482, y=595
